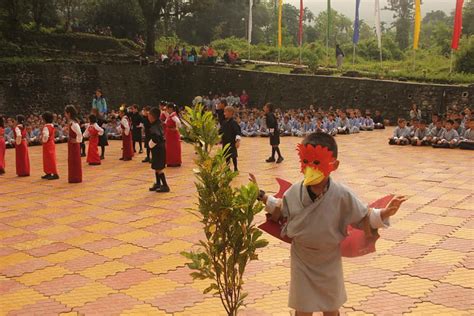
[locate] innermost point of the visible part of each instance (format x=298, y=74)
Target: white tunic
x=317, y=228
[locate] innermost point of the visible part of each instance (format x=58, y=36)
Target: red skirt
x=74, y=162
x=49, y=158
x=3, y=148
x=22, y=159
x=93, y=157
x=173, y=148
x=127, y=152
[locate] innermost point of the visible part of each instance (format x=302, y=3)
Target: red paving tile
x=452, y=296
x=124, y=280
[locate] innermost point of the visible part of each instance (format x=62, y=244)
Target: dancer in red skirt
x=21, y=148
x=49, y=148
x=3, y=147
x=93, y=131
x=127, y=150
x=173, y=138
x=74, y=145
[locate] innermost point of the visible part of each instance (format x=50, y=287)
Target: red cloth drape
x=457, y=24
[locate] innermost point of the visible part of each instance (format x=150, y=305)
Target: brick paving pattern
x=110, y=247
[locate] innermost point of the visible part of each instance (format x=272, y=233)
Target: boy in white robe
x=318, y=211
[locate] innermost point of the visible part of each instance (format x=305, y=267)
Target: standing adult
x=415, y=113
x=99, y=102
x=274, y=133
x=173, y=138
x=339, y=56
x=137, y=127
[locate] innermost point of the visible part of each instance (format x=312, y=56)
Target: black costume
x=136, y=127
x=220, y=116
x=231, y=132
x=158, y=151
x=103, y=139
x=147, y=126
x=273, y=130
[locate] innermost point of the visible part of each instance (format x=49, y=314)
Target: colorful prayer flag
x=416, y=34
x=457, y=24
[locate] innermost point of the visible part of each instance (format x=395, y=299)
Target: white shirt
x=96, y=127
x=125, y=124
x=77, y=129
x=45, y=133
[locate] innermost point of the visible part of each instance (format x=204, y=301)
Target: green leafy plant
x=227, y=215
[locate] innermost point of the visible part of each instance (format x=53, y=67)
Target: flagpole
x=354, y=54
x=328, y=32
x=414, y=59
x=451, y=62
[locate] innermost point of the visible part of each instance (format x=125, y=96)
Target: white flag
x=250, y=20
x=378, y=29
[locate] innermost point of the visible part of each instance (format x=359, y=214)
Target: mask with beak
x=316, y=163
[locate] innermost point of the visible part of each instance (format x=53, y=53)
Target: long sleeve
x=77, y=129
x=126, y=125
x=177, y=121
x=18, y=135
x=99, y=129
x=86, y=133
x=45, y=134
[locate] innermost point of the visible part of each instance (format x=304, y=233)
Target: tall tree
x=152, y=10
x=69, y=9
x=43, y=11
x=403, y=14
x=468, y=18
x=15, y=13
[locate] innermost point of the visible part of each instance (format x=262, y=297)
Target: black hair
x=20, y=119
x=458, y=120
x=147, y=108
x=135, y=106
x=156, y=112
x=422, y=121
x=71, y=109
x=92, y=119
x=224, y=102
x=48, y=117
x=2, y=121
x=171, y=105
x=450, y=122
x=269, y=106
x=323, y=139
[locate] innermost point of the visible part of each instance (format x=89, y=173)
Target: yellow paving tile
x=460, y=276
x=145, y=222
x=112, y=215
x=274, y=254
x=40, y=276
x=182, y=231
x=101, y=227
x=186, y=219
x=151, y=288
x=211, y=306
x=357, y=293
x=433, y=210
x=31, y=244
x=157, y=211
x=7, y=233
x=103, y=270
x=449, y=220
x=275, y=276
x=84, y=239
x=390, y=262
x=428, y=308
x=27, y=222
x=67, y=255
x=410, y=286
x=71, y=219
x=408, y=225
x=444, y=256
x=275, y=302
x=81, y=295
x=165, y=264
x=174, y=246
x=385, y=245
x=120, y=251
x=424, y=239
x=134, y=235
x=17, y=299
x=143, y=309
x=14, y=258
x=56, y=229
x=465, y=233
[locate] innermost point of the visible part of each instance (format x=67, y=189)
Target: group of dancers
x=157, y=125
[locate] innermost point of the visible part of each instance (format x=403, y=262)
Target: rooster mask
x=316, y=163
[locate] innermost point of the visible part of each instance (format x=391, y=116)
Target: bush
x=465, y=57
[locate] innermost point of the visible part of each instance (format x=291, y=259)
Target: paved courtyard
x=109, y=247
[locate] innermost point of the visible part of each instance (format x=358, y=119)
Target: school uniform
x=436, y=133
x=74, y=153
x=355, y=125
x=317, y=225
x=22, y=158
x=367, y=124
x=401, y=134
x=94, y=132
x=137, y=124
x=173, y=140
x=251, y=130
x=331, y=127
x=379, y=122
x=344, y=126
x=157, y=146
x=231, y=133
x=422, y=135
x=285, y=129
x=127, y=147
x=273, y=130
x=467, y=140
x=3, y=149
x=448, y=139
x=49, y=150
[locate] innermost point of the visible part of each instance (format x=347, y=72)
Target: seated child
x=285, y=127
x=355, y=123
x=331, y=126
x=435, y=117
x=344, y=125
x=413, y=127
x=307, y=127
x=318, y=210
x=467, y=139
x=251, y=130
x=296, y=128
x=263, y=131
x=436, y=132
x=421, y=135
x=378, y=121
x=367, y=123
x=400, y=134
x=241, y=123
x=449, y=138
x=319, y=126
x=458, y=127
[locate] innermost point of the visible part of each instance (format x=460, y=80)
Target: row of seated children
x=439, y=134
x=302, y=125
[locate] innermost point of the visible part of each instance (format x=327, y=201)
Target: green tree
x=468, y=18
x=151, y=10
x=403, y=15
x=14, y=14
x=227, y=215
x=43, y=13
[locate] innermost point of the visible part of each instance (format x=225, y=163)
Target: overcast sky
x=347, y=7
